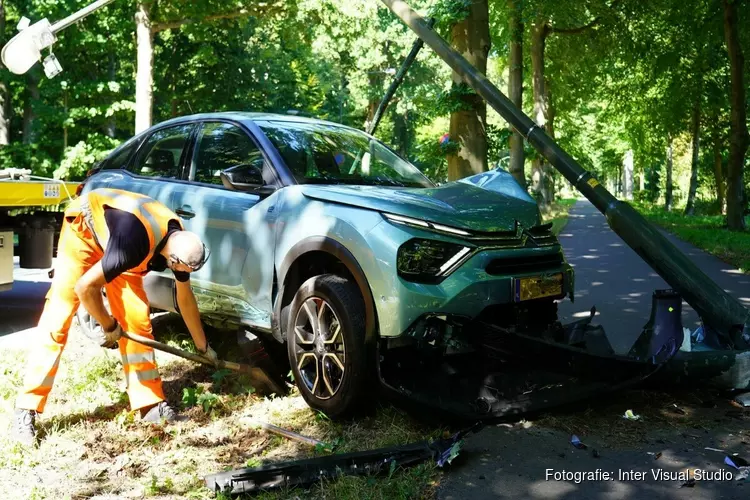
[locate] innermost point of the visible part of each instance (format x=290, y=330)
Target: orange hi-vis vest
x=154, y=216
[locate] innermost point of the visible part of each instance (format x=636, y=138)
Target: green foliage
x=197, y=396
x=454, y=99
x=83, y=156
x=707, y=232
x=447, y=13
x=18, y=155
x=157, y=487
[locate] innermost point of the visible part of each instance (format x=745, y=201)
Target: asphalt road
x=21, y=306
x=612, y=277
x=502, y=462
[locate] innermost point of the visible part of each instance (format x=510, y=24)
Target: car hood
x=488, y=202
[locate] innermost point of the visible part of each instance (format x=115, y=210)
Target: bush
x=27, y=156
x=80, y=158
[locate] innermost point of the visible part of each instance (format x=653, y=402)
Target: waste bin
x=35, y=241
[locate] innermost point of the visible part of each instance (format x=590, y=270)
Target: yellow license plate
x=537, y=287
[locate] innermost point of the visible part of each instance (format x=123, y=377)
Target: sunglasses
x=193, y=268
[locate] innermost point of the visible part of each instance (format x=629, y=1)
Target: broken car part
x=285, y=433
x=300, y=473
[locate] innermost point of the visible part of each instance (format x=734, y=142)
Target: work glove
x=103, y=338
x=211, y=355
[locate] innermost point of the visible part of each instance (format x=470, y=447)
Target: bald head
x=187, y=247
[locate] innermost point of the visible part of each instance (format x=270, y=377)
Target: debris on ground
x=575, y=441
x=257, y=424
x=740, y=464
x=629, y=415
x=300, y=473
x=743, y=399
x=690, y=483
x=676, y=409
x=714, y=449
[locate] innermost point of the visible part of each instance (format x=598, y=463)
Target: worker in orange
x=110, y=239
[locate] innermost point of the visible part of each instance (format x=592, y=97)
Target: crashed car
x=326, y=241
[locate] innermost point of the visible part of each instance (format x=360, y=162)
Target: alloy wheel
x=319, y=348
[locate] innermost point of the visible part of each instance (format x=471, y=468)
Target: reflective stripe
x=127, y=203
x=132, y=204
x=138, y=357
x=48, y=381
x=88, y=217
x=145, y=375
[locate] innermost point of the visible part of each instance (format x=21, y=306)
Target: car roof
x=248, y=116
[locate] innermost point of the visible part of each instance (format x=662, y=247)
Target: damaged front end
x=517, y=359
x=510, y=361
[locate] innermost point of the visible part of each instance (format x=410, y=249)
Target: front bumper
x=466, y=292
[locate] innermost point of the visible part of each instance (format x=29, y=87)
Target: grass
x=558, y=214
x=707, y=232
x=93, y=445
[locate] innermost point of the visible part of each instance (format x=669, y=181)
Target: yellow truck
x=20, y=191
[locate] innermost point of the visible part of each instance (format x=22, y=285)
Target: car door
x=154, y=169
x=236, y=225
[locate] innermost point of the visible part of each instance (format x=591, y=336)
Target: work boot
x=23, y=430
x=161, y=412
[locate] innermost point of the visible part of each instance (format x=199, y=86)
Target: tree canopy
x=609, y=79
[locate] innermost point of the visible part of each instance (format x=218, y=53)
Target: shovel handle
x=185, y=354
x=258, y=376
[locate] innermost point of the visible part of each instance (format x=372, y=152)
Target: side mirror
x=246, y=177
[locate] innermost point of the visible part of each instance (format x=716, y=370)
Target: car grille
x=540, y=236
x=526, y=264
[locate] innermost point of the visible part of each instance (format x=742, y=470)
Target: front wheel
x=326, y=344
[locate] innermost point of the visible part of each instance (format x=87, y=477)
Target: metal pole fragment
x=418, y=44
x=715, y=306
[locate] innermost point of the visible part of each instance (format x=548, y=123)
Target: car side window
x=223, y=147
x=161, y=155
x=120, y=159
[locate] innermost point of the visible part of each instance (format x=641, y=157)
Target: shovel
x=259, y=378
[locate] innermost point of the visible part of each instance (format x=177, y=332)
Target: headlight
x=428, y=261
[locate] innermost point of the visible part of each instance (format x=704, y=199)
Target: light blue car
x=325, y=240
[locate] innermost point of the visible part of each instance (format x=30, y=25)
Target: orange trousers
x=77, y=253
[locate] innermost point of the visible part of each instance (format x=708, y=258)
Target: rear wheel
x=326, y=344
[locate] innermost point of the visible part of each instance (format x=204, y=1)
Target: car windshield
x=319, y=153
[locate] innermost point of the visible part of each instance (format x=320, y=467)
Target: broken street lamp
x=24, y=50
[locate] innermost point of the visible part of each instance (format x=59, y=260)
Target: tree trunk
x=539, y=32
x=627, y=175
x=696, y=126
x=515, y=88
x=719, y=176
x=468, y=127
x=32, y=98
x=65, y=127
x=111, y=126
x=668, y=198
x=144, y=79
x=4, y=93
x=739, y=138
x=373, y=79
x=401, y=133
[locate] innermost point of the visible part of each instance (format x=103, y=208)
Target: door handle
x=185, y=212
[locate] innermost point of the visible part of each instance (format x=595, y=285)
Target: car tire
x=326, y=345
